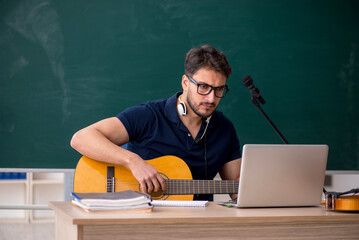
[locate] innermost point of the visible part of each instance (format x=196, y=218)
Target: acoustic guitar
x=95, y=176
x=341, y=201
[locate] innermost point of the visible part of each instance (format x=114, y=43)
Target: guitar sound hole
x=160, y=194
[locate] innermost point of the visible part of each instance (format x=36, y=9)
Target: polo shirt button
x=189, y=134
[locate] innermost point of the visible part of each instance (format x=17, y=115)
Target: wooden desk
x=211, y=222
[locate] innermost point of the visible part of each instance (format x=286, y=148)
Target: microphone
x=256, y=94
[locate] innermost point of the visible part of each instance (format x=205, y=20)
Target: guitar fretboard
x=184, y=186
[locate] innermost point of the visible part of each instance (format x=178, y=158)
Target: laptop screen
x=282, y=175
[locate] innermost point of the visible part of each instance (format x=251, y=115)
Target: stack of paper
x=125, y=200
x=171, y=203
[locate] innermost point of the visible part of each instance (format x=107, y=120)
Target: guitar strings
x=187, y=186
x=215, y=183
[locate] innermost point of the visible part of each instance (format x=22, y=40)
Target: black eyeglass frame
x=225, y=88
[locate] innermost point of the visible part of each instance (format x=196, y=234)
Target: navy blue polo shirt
x=155, y=130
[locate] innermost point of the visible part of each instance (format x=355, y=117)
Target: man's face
x=204, y=105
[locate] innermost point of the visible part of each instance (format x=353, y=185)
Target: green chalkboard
x=65, y=64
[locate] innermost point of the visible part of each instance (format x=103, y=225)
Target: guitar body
x=91, y=176
x=345, y=203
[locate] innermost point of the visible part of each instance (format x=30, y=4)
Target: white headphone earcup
x=181, y=107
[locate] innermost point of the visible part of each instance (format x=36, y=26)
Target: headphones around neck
x=182, y=110
x=181, y=107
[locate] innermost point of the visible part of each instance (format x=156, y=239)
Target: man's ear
x=185, y=83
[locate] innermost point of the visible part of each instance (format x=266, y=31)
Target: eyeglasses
x=205, y=89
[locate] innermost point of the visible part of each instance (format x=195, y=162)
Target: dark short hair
x=208, y=57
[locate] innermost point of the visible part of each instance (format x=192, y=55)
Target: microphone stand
x=256, y=100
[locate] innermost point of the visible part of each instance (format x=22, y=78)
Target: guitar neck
x=184, y=186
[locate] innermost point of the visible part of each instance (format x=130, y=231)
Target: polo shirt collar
x=171, y=108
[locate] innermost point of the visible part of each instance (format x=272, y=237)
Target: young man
x=186, y=125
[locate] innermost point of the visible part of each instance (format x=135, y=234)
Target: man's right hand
x=149, y=178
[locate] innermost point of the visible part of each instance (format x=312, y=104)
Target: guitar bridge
x=110, y=183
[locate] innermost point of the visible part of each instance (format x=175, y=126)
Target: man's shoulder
x=154, y=106
x=158, y=103
x=147, y=109
x=166, y=107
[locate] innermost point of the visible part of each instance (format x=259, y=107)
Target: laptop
x=283, y=175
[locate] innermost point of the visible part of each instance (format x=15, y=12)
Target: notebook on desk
x=282, y=175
